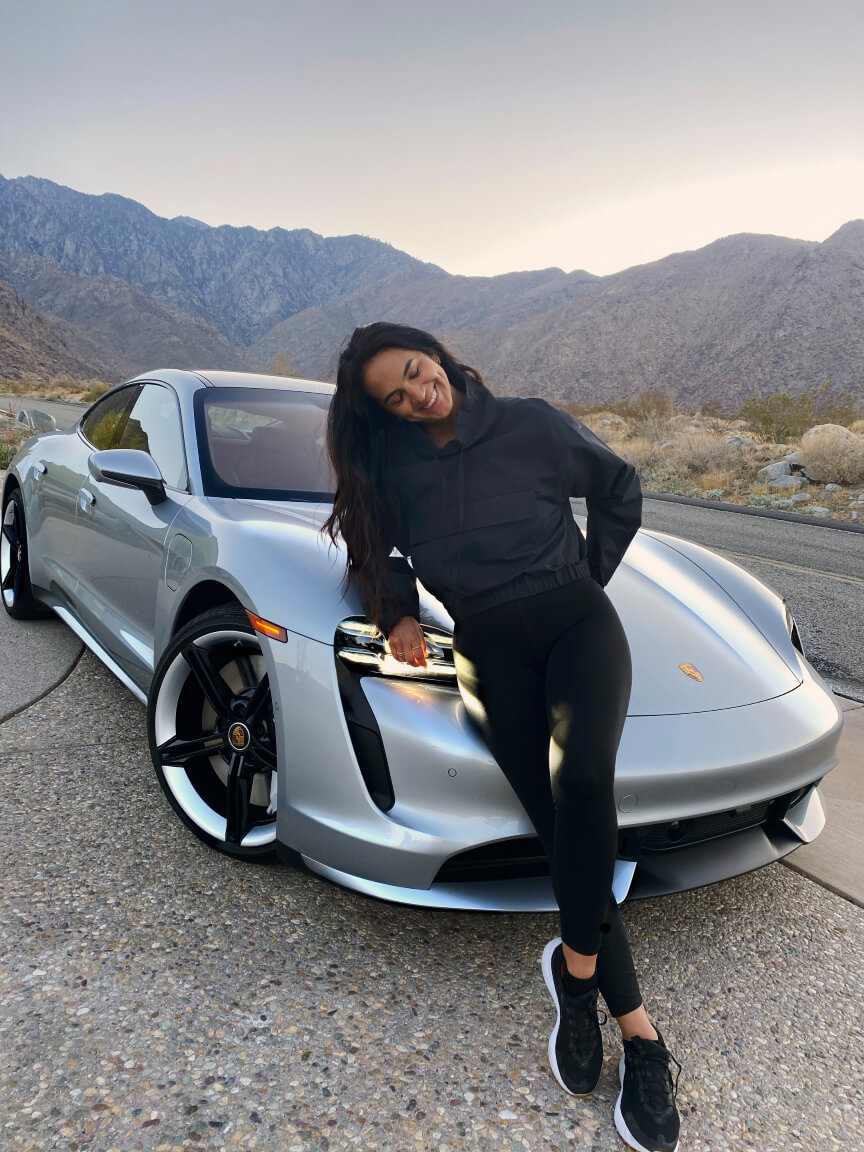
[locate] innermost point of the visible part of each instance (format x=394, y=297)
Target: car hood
x=674, y=615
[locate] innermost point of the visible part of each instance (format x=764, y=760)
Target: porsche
x=176, y=530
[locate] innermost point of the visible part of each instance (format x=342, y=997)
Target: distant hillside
x=745, y=314
x=31, y=347
x=142, y=331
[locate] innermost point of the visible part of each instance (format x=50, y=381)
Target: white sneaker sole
x=623, y=1131
x=546, y=965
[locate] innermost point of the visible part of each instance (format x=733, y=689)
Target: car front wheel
x=212, y=734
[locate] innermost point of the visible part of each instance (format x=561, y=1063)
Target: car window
x=154, y=427
x=268, y=443
x=103, y=425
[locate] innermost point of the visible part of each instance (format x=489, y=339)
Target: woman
x=475, y=490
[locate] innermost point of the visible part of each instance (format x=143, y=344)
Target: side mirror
x=129, y=468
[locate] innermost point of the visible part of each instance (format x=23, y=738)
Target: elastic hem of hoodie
x=528, y=584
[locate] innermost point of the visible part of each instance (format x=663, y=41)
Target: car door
x=121, y=536
x=57, y=480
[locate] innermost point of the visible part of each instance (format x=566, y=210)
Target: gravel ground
x=156, y=995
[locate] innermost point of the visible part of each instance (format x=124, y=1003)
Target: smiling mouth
x=434, y=397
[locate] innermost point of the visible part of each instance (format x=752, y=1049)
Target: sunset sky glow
x=485, y=136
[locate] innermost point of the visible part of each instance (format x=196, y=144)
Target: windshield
x=264, y=443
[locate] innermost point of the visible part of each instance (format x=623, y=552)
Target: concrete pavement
x=836, y=858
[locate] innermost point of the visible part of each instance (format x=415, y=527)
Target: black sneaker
x=575, y=1046
x=645, y=1112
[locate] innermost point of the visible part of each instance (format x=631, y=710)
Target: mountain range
x=99, y=286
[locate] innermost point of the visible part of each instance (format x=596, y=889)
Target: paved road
x=34, y=658
x=65, y=413
x=156, y=995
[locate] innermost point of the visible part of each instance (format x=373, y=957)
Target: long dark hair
x=366, y=509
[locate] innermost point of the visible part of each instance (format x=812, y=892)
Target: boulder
x=773, y=471
x=838, y=430
x=832, y=488
x=819, y=510
x=787, y=483
x=800, y=496
x=740, y=441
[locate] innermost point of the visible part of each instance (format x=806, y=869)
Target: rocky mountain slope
x=32, y=347
x=745, y=314
x=143, y=332
x=240, y=280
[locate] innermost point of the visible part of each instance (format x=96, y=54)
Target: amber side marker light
x=268, y=629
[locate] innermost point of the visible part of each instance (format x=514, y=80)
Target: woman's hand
x=407, y=643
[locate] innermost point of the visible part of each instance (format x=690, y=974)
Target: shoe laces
x=650, y=1066
x=581, y=1016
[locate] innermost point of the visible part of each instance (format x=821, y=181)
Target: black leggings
x=547, y=677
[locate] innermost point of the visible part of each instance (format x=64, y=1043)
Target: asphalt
x=157, y=996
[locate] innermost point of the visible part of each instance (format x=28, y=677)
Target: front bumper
x=455, y=835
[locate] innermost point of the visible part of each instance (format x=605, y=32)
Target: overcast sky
x=485, y=136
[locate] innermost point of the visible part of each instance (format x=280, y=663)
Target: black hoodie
x=486, y=518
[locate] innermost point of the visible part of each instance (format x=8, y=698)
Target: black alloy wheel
x=18, y=598
x=212, y=734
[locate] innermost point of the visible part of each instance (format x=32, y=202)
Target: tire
x=18, y=598
x=212, y=735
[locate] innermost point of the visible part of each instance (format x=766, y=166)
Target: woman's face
x=411, y=385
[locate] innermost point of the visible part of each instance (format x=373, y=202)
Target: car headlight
x=792, y=628
x=362, y=646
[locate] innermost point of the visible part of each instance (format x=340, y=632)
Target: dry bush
x=722, y=478
x=643, y=453
x=12, y=435
x=652, y=427
x=698, y=452
x=833, y=456
x=606, y=432
x=57, y=388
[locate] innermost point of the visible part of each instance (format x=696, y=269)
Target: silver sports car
x=175, y=529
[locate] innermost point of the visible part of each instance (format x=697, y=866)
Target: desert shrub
x=62, y=387
x=95, y=392
x=766, y=500
x=699, y=452
x=713, y=407
x=606, y=432
x=719, y=480
x=643, y=453
x=12, y=436
x=780, y=416
x=833, y=455
x=667, y=478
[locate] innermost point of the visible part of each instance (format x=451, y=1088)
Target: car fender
x=277, y=564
